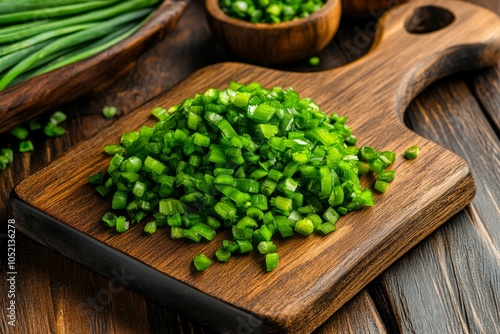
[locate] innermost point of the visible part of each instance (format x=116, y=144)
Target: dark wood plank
x=451, y=282
x=54, y=295
x=367, y=320
x=451, y=116
x=486, y=88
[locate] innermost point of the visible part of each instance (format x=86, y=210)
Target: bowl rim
x=214, y=10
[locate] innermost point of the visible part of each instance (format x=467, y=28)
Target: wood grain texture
x=461, y=262
x=486, y=87
x=468, y=117
x=455, y=266
x=368, y=320
x=74, y=307
x=280, y=43
x=366, y=242
x=31, y=98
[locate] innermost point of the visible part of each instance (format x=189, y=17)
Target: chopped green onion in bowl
x=270, y=11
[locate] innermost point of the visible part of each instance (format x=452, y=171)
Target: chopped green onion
x=245, y=246
x=412, y=152
x=20, y=133
x=222, y=255
x=109, y=111
x=387, y=176
x=272, y=260
x=255, y=161
x=283, y=203
x=201, y=262
x=58, y=117
x=381, y=186
x=122, y=224
x=26, y=146
x=269, y=11
x=151, y=227
x=110, y=219
x=304, y=226
x=52, y=130
x=314, y=61
x=265, y=247
x=97, y=178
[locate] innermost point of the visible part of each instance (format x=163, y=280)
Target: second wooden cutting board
x=417, y=43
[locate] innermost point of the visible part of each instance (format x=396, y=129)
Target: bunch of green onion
x=38, y=36
x=263, y=163
x=270, y=11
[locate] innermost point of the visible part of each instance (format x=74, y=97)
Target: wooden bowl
x=275, y=43
x=367, y=8
x=31, y=98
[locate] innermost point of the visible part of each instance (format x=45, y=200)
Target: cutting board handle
x=418, y=43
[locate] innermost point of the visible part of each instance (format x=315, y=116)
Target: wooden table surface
x=449, y=283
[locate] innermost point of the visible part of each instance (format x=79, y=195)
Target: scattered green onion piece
x=327, y=227
x=20, y=133
x=363, y=168
x=96, y=178
x=201, y=262
x=314, y=61
x=122, y=224
x=284, y=226
x=52, y=130
x=284, y=203
x=389, y=155
x=222, y=255
x=151, y=227
x=110, y=219
x=113, y=149
x=26, y=146
x=381, y=186
x=190, y=234
x=34, y=125
x=272, y=260
x=244, y=245
x=8, y=153
x=387, y=176
x=109, y=111
x=58, y=117
x=265, y=247
x=412, y=152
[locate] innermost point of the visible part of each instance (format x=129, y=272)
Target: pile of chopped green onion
x=263, y=163
x=270, y=11
x=39, y=36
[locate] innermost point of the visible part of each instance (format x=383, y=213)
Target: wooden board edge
x=456, y=198
x=142, y=279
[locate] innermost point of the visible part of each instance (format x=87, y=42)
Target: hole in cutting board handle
x=428, y=19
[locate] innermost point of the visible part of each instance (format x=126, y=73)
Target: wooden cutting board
x=316, y=276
